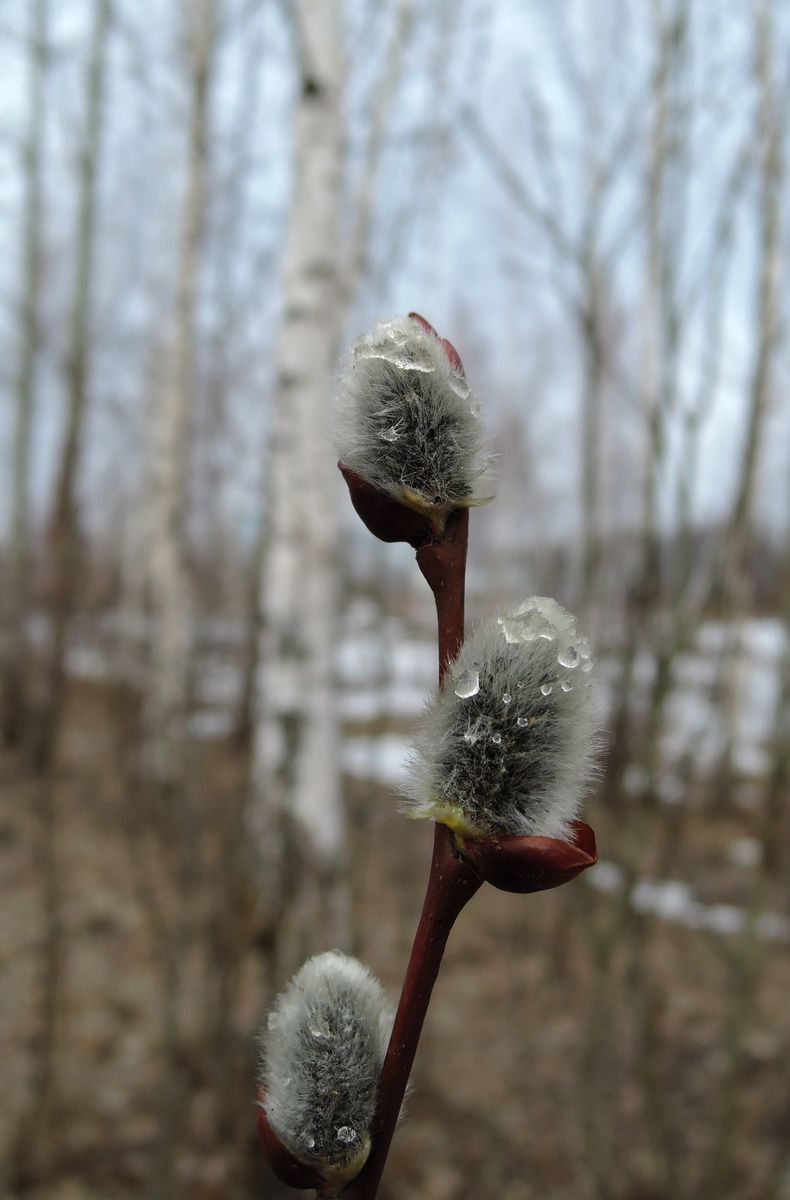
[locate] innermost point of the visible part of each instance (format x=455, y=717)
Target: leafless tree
x=13, y=691
x=296, y=784
x=169, y=569
x=64, y=550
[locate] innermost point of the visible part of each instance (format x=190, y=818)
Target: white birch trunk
x=170, y=581
x=296, y=736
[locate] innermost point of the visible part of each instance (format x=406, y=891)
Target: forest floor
x=581, y=1043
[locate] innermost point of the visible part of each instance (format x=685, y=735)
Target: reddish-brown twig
x=451, y=882
x=443, y=563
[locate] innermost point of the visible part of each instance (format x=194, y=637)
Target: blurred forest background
x=209, y=670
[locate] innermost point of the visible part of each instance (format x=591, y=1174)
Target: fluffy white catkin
x=323, y=1049
x=405, y=419
x=508, y=744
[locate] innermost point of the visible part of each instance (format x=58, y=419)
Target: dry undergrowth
x=673, y=1043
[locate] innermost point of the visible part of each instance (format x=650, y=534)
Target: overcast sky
x=448, y=239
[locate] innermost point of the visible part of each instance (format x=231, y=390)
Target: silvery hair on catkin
x=323, y=1048
x=405, y=419
x=508, y=744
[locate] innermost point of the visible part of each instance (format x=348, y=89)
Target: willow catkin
x=323, y=1047
x=508, y=744
x=406, y=421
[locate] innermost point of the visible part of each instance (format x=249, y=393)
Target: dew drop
x=390, y=435
x=309, y=1141
x=458, y=384
x=568, y=657
x=566, y=685
x=523, y=722
x=545, y=689
x=320, y=1035
x=402, y=358
x=496, y=738
x=587, y=665
x=527, y=627
x=467, y=684
x=346, y=1134
x=506, y=698
x=417, y=361
x=470, y=736
x=538, y=617
x=392, y=345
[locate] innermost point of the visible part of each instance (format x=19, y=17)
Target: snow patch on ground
x=675, y=901
x=724, y=696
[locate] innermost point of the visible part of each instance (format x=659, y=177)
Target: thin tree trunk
x=351, y=274
x=591, y=430
x=296, y=789
x=12, y=685
x=169, y=569
x=732, y=582
x=654, y=306
x=592, y=339
x=65, y=524
x=172, y=595
x=769, y=138
x=358, y=257
x=36, y=1132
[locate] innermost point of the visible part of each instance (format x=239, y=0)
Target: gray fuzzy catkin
x=514, y=757
x=405, y=420
x=323, y=1048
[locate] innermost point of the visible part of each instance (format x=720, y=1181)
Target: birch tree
x=732, y=582
x=169, y=571
x=12, y=688
x=62, y=597
x=296, y=783
x=353, y=274
x=768, y=133
x=65, y=521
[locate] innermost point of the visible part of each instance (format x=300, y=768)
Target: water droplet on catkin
x=538, y=617
x=566, y=685
x=506, y=698
x=393, y=346
x=458, y=384
x=527, y=627
x=467, y=684
x=546, y=689
x=346, y=1134
x=568, y=657
x=390, y=435
x=523, y=722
